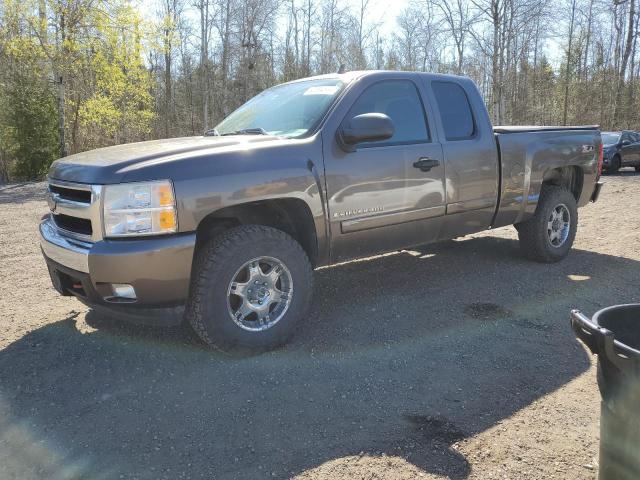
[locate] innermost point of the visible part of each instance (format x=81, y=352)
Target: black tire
x=535, y=242
x=616, y=163
x=216, y=264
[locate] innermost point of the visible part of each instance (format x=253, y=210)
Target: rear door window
x=400, y=101
x=455, y=111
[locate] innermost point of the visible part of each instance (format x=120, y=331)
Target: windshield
x=610, y=138
x=288, y=110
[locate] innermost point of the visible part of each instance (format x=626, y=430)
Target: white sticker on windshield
x=322, y=90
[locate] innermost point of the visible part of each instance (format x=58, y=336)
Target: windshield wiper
x=248, y=131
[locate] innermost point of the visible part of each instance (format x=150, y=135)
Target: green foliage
x=121, y=107
x=107, y=86
x=28, y=119
x=28, y=127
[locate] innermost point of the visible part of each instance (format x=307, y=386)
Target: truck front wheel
x=250, y=286
x=548, y=235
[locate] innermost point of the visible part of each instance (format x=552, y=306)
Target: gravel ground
x=452, y=361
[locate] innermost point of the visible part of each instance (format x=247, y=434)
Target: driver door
x=387, y=194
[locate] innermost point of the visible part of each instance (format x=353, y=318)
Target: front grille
x=81, y=226
x=82, y=196
x=75, y=209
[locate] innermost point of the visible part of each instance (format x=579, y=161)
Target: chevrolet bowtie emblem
x=52, y=200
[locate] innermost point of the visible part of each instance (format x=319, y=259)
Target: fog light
x=123, y=290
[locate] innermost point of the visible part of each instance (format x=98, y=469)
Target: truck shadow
x=402, y=355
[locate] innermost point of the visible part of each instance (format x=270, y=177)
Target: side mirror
x=626, y=142
x=368, y=127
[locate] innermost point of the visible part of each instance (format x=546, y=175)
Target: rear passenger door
x=470, y=154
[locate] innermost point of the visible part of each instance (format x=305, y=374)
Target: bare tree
x=169, y=17
x=203, y=7
x=223, y=18
x=568, y=65
x=206, y=57
x=626, y=49
x=459, y=19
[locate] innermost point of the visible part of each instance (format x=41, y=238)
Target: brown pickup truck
x=224, y=230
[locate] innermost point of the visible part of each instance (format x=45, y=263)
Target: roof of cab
x=348, y=77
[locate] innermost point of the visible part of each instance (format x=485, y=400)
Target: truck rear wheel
x=548, y=235
x=250, y=287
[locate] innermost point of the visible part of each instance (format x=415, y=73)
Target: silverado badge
x=357, y=211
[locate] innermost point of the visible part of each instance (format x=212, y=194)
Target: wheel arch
x=290, y=215
x=570, y=177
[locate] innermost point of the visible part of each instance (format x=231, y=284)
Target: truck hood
x=110, y=164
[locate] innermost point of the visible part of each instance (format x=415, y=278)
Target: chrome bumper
x=64, y=250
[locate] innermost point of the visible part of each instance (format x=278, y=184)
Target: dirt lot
x=452, y=361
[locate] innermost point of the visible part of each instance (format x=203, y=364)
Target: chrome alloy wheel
x=260, y=293
x=559, y=225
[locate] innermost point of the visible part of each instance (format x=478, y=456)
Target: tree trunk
x=204, y=61
x=167, y=90
x=625, y=60
x=61, y=92
x=495, y=64
x=225, y=57
x=568, y=69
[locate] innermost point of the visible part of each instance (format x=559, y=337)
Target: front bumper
x=158, y=268
x=65, y=250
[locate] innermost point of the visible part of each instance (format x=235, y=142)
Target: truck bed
x=529, y=153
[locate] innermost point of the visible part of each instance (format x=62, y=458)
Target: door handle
x=425, y=164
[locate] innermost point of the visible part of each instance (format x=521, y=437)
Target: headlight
x=144, y=208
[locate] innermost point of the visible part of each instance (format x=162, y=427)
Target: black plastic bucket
x=614, y=335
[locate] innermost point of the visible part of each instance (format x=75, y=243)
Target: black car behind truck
x=621, y=149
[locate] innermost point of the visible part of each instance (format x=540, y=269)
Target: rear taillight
x=600, y=159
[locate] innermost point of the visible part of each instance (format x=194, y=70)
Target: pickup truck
x=224, y=230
